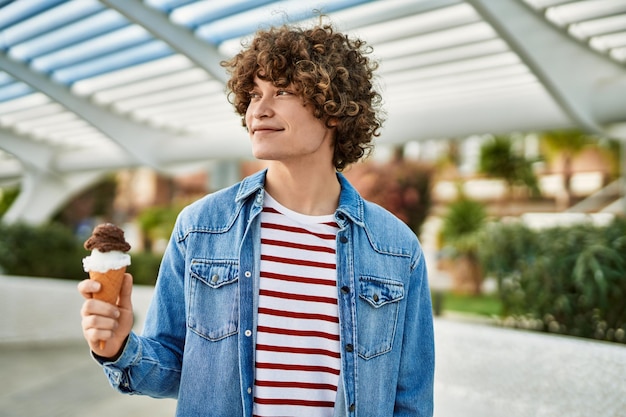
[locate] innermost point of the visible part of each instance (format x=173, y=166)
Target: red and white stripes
x=297, y=351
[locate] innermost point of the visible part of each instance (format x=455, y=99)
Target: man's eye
x=283, y=93
x=253, y=95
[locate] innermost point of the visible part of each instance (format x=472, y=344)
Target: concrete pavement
x=63, y=381
x=486, y=371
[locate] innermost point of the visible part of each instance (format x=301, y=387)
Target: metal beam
x=136, y=139
x=391, y=13
x=204, y=55
x=226, y=144
x=36, y=156
x=533, y=111
x=579, y=79
x=516, y=110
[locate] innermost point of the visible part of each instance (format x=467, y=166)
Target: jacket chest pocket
x=214, y=299
x=377, y=314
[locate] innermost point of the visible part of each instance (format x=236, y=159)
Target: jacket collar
x=351, y=204
x=250, y=185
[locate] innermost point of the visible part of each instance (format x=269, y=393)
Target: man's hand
x=106, y=322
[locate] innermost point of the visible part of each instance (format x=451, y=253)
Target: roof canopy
x=89, y=86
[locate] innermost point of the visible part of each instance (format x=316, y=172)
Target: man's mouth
x=266, y=130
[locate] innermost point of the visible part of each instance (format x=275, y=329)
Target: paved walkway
x=485, y=371
x=482, y=371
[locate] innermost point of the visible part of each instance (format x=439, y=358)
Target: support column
x=42, y=195
x=618, y=131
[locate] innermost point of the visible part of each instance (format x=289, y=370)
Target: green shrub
x=569, y=280
x=49, y=250
x=144, y=267
x=53, y=251
x=7, y=197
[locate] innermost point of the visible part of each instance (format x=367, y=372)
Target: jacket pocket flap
x=380, y=291
x=213, y=274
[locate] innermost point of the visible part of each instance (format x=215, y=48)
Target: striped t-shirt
x=297, y=352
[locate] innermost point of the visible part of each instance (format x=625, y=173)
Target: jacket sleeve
x=151, y=364
x=414, y=395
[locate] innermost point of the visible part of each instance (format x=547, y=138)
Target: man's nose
x=262, y=107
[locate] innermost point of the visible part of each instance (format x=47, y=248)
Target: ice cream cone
x=108, y=253
x=111, y=281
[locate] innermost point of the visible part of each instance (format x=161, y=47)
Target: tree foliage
x=402, y=187
x=155, y=223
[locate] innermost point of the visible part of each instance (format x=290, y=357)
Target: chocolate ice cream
x=107, y=237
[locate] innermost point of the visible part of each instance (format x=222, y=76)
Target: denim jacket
x=199, y=337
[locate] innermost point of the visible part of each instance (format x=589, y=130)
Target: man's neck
x=305, y=191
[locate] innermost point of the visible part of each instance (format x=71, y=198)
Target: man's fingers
x=87, y=287
x=126, y=292
x=99, y=323
x=93, y=307
x=94, y=336
x=105, y=326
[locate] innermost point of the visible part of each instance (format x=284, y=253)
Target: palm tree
x=498, y=159
x=460, y=231
x=565, y=143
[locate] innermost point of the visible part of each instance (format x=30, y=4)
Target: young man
x=286, y=294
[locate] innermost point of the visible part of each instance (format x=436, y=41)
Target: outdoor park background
x=525, y=229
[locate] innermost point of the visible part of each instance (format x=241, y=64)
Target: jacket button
x=214, y=278
x=247, y=274
x=345, y=289
x=343, y=239
x=375, y=297
x=349, y=348
x=352, y=408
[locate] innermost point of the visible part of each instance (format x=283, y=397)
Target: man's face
x=282, y=128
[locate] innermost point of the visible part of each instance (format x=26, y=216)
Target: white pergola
x=88, y=87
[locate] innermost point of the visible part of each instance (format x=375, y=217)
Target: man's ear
x=332, y=122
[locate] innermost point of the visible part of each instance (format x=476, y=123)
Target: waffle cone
x=111, y=281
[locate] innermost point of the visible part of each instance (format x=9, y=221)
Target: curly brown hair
x=327, y=69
